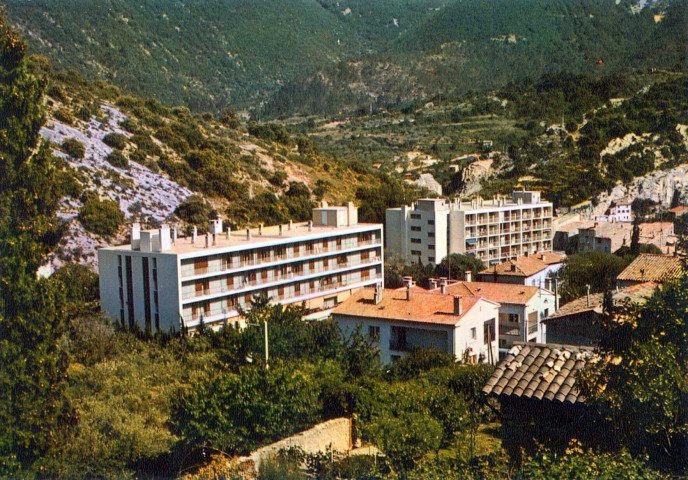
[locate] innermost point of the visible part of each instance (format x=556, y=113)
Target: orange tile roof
x=650, y=267
x=635, y=293
x=679, y=209
x=524, y=266
x=423, y=307
x=496, y=292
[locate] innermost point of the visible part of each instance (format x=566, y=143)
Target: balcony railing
x=235, y=264
x=275, y=278
x=532, y=328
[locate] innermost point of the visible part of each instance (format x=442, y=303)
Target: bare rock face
x=658, y=186
x=473, y=174
x=141, y=193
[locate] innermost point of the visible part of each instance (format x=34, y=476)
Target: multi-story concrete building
x=494, y=230
x=162, y=282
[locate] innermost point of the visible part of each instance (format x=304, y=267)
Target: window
x=415, y=229
x=545, y=313
x=415, y=253
x=431, y=222
x=431, y=234
x=415, y=216
x=431, y=259
x=473, y=333
x=415, y=240
x=431, y=247
x=374, y=333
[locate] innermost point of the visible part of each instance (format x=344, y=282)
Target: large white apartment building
x=162, y=282
x=493, y=230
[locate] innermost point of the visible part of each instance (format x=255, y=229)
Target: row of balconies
x=226, y=310
x=237, y=262
x=247, y=283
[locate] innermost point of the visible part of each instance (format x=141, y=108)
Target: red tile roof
x=650, y=267
x=679, y=209
x=496, y=292
x=635, y=293
x=524, y=266
x=540, y=372
x=423, y=307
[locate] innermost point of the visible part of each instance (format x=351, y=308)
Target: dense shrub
x=269, y=131
x=196, y=211
x=102, y=217
x=74, y=148
x=64, y=115
x=115, y=140
x=117, y=159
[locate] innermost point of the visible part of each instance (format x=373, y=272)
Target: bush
x=102, y=217
x=115, y=140
x=74, y=148
x=195, y=210
x=116, y=159
x=64, y=115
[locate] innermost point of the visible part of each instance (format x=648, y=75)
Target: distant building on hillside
x=161, y=282
x=493, y=230
x=618, y=211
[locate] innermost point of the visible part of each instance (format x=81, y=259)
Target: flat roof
x=270, y=236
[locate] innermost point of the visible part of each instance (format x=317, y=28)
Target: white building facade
x=161, y=282
x=494, y=230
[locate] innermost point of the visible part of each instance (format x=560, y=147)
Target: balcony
x=275, y=279
x=510, y=329
x=315, y=252
x=532, y=328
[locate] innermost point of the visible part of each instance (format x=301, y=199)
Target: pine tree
x=32, y=318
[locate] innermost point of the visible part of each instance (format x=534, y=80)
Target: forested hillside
x=322, y=56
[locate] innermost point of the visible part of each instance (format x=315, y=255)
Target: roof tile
x=540, y=372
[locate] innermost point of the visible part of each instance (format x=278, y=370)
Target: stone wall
x=333, y=434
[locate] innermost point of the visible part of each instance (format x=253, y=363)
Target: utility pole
x=267, y=363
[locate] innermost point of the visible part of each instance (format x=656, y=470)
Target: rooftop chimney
x=207, y=240
x=642, y=274
x=513, y=267
x=457, y=306
x=260, y=229
x=194, y=234
x=310, y=225
x=378, y=293
x=280, y=230
x=290, y=224
x=214, y=239
x=248, y=234
x=165, y=239
x=135, y=236
x=469, y=276
x=216, y=225
x=587, y=287
x=351, y=214
x=433, y=283
x=408, y=281
x=174, y=235
x=443, y=285
x=229, y=232
x=408, y=292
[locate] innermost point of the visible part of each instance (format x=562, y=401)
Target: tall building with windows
x=160, y=281
x=493, y=230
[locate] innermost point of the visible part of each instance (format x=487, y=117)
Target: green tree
x=642, y=386
x=74, y=148
x=455, y=266
x=594, y=268
x=102, y=217
x=635, y=239
x=32, y=317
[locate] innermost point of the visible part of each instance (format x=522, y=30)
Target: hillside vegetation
x=322, y=56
